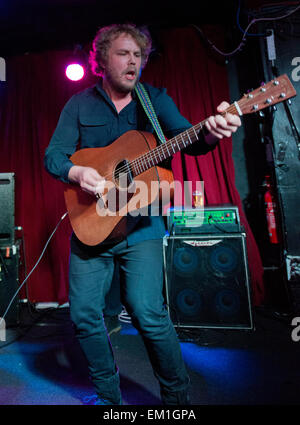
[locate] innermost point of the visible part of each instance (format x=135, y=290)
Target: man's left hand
x=223, y=125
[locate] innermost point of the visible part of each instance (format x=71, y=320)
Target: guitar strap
x=149, y=110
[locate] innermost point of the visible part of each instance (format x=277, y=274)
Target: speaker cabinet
x=9, y=283
x=207, y=281
x=7, y=208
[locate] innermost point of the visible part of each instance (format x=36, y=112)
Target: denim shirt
x=90, y=119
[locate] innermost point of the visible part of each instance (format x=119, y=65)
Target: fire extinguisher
x=271, y=210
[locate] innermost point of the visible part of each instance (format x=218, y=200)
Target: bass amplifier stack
x=206, y=269
x=9, y=250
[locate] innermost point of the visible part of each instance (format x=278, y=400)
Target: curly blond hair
x=104, y=38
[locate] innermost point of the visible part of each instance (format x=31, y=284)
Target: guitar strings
x=152, y=155
x=140, y=163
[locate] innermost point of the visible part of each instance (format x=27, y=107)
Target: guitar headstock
x=268, y=94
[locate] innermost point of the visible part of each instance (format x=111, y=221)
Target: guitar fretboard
x=170, y=147
x=165, y=150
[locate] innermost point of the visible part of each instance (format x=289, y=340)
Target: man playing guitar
x=96, y=117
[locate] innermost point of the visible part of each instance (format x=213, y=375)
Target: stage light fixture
x=75, y=71
x=76, y=63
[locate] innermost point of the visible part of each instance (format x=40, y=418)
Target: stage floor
x=41, y=364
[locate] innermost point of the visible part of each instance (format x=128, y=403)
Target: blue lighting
x=230, y=368
x=128, y=329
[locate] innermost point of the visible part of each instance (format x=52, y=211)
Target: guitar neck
x=165, y=150
x=276, y=91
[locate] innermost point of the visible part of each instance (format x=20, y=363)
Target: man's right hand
x=88, y=179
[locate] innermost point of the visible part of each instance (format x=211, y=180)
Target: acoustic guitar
x=134, y=177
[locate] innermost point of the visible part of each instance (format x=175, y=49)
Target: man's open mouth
x=130, y=75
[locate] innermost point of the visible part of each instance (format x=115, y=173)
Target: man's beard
x=120, y=86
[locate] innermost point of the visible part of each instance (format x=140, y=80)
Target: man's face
x=123, y=64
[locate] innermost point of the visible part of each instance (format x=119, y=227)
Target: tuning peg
x=261, y=114
x=274, y=108
x=289, y=102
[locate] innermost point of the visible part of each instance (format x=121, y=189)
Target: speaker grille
x=207, y=281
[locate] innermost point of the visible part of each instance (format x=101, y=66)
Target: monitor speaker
x=9, y=283
x=7, y=208
x=207, y=281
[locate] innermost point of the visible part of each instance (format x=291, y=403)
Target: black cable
x=24, y=329
x=241, y=29
x=36, y=264
x=30, y=305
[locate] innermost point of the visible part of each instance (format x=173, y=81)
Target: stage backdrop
x=31, y=100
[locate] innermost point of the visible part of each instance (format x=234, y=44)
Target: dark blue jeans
x=141, y=274
x=113, y=304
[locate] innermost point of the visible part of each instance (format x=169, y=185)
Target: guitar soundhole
x=123, y=175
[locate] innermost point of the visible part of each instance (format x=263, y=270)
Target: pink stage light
x=75, y=72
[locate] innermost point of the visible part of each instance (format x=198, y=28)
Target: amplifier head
x=212, y=219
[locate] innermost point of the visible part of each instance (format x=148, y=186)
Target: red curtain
x=31, y=101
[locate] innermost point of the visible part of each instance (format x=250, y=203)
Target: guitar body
x=95, y=221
